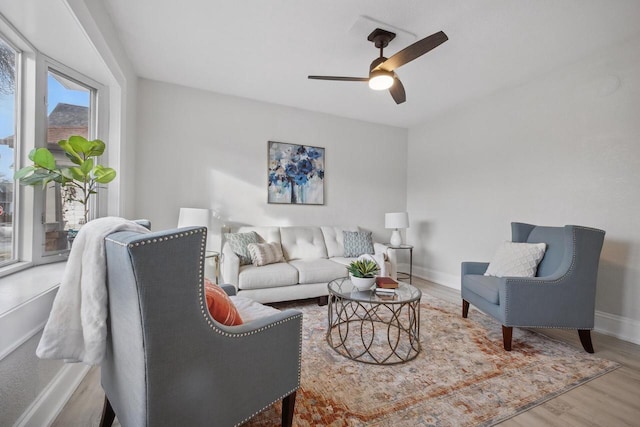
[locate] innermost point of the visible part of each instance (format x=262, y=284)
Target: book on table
x=386, y=282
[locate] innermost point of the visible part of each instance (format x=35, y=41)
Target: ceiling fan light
x=380, y=80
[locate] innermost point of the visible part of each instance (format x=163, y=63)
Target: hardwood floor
x=610, y=400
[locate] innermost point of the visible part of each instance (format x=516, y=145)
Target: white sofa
x=313, y=257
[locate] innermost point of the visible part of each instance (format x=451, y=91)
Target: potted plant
x=81, y=178
x=362, y=273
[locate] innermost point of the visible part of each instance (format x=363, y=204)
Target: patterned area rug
x=462, y=376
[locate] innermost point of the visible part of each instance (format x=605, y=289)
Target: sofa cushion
x=302, y=243
x=334, y=239
x=267, y=276
x=250, y=309
x=343, y=260
x=357, y=243
x=318, y=270
x=239, y=244
x=265, y=253
x=484, y=286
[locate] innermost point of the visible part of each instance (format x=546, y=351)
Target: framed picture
x=296, y=174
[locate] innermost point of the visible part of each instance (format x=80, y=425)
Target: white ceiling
x=264, y=50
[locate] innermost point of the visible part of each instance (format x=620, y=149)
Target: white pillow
x=265, y=253
x=516, y=259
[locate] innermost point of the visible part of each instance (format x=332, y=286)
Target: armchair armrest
x=268, y=348
x=230, y=266
x=474, y=267
x=551, y=301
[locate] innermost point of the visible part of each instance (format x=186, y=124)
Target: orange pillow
x=220, y=306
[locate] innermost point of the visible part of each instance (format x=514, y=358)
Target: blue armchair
x=562, y=295
x=168, y=362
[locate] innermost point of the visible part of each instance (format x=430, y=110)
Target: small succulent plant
x=364, y=268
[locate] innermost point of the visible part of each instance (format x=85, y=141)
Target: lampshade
x=380, y=80
x=194, y=217
x=396, y=220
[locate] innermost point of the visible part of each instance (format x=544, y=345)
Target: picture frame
x=295, y=174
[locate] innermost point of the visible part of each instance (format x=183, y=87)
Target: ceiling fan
x=381, y=70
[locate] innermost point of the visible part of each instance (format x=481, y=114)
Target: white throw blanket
x=76, y=330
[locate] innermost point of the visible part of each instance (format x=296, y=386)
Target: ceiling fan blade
x=397, y=91
x=414, y=51
x=343, y=79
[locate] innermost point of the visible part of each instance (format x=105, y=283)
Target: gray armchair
x=168, y=363
x=562, y=295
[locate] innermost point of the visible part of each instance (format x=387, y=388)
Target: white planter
x=363, y=283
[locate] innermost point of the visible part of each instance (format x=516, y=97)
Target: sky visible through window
x=57, y=94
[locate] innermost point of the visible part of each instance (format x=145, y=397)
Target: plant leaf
x=97, y=148
x=104, y=175
x=76, y=173
x=43, y=158
x=86, y=166
x=27, y=170
x=80, y=144
x=70, y=152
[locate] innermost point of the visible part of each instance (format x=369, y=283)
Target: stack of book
x=386, y=283
x=386, y=287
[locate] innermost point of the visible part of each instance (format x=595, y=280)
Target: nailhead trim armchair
x=168, y=362
x=562, y=295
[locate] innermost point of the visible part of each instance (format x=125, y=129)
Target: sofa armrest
x=474, y=267
x=229, y=289
x=391, y=259
x=230, y=266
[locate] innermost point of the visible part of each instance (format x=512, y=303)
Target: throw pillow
x=239, y=243
x=357, y=243
x=220, y=306
x=265, y=253
x=516, y=259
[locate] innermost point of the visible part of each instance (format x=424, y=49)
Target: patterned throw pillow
x=357, y=243
x=265, y=253
x=239, y=243
x=220, y=306
x=516, y=260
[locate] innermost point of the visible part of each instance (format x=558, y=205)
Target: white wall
x=201, y=149
x=562, y=149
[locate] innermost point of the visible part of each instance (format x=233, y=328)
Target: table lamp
x=396, y=220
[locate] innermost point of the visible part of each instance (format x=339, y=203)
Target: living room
x=540, y=128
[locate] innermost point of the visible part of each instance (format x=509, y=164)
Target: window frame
x=15, y=237
x=97, y=105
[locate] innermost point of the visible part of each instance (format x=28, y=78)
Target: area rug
x=462, y=376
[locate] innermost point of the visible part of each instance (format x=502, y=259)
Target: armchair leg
x=465, y=308
x=288, y=406
x=108, y=415
x=585, y=339
x=507, y=332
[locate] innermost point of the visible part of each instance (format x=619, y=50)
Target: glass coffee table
x=370, y=328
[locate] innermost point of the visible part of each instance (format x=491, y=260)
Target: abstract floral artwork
x=296, y=174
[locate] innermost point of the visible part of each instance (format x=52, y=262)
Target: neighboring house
x=66, y=120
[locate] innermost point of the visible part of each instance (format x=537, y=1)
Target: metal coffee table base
x=379, y=333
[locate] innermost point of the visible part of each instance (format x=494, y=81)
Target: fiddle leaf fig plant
x=82, y=178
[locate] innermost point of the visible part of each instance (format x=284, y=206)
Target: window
x=42, y=101
x=69, y=112
x=8, y=120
